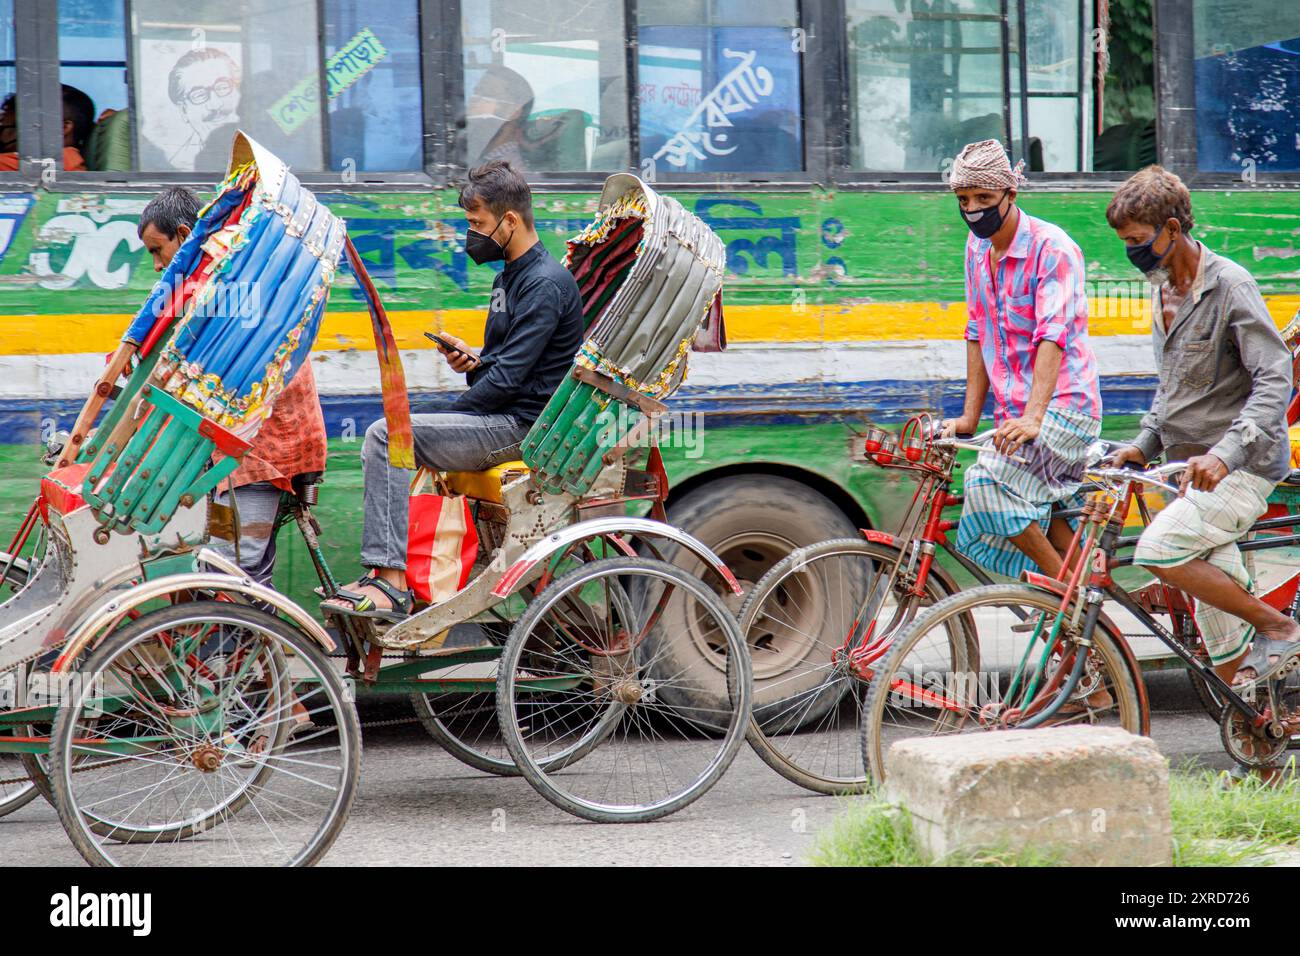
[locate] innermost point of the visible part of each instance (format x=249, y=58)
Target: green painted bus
x=813, y=135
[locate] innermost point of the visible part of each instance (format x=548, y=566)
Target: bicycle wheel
x=968, y=665
x=592, y=644
x=807, y=719
x=188, y=712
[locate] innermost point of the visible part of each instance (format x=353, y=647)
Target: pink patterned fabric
x=1036, y=293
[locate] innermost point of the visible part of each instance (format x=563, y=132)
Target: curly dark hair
x=1151, y=196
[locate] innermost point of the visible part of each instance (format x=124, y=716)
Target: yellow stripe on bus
x=848, y=322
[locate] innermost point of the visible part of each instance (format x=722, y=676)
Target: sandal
x=364, y=606
x=1258, y=660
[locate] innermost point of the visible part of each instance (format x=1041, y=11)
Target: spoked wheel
x=465, y=725
x=18, y=784
x=591, y=645
x=188, y=713
x=808, y=705
x=983, y=660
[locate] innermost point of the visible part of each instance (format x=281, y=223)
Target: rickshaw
x=570, y=681
x=176, y=712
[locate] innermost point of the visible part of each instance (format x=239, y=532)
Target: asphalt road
x=419, y=806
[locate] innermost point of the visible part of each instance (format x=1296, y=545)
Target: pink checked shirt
x=1036, y=294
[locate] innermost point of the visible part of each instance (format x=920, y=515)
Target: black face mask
x=985, y=222
x=1145, y=258
x=482, y=247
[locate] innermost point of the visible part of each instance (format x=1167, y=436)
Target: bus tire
x=751, y=522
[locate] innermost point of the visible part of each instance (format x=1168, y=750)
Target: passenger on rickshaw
x=1027, y=340
x=1225, y=379
x=534, y=327
x=290, y=443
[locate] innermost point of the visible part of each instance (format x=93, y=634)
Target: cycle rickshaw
x=155, y=693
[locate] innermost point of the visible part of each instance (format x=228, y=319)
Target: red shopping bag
x=441, y=543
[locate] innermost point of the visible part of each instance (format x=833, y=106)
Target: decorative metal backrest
x=649, y=273
x=224, y=330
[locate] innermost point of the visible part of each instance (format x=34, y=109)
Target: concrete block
x=1092, y=796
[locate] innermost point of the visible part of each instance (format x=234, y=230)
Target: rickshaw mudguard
x=74, y=571
x=116, y=606
x=557, y=541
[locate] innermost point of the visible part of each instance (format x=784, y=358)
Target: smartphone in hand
x=444, y=344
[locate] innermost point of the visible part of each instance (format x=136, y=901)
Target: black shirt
x=534, y=327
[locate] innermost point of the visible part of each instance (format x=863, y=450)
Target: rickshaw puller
x=1027, y=341
x=1225, y=380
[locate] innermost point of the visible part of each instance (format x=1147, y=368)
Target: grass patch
x=1239, y=826
x=872, y=832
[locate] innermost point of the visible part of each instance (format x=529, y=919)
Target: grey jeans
x=444, y=441
x=259, y=507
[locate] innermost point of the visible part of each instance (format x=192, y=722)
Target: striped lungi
x=1208, y=525
x=1003, y=497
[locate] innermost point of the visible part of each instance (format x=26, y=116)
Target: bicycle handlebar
x=1151, y=476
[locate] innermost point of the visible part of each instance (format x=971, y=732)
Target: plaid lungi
x=1208, y=524
x=1003, y=497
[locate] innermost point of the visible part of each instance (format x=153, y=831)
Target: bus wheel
x=751, y=522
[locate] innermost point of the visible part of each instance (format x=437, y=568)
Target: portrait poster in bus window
x=195, y=86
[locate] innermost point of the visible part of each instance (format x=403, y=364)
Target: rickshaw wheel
x=195, y=702
x=601, y=676
x=15, y=796
x=466, y=725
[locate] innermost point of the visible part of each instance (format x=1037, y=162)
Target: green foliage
x=872, y=832
x=1129, y=95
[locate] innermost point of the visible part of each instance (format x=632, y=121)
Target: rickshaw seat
x=61, y=489
x=485, y=485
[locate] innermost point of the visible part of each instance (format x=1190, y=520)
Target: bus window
x=923, y=82
x=719, y=86
x=200, y=71
x=8, y=115
x=1054, y=90
x=372, y=50
x=1247, y=86
x=928, y=76
x=545, y=84
x=92, y=69
x=1125, y=127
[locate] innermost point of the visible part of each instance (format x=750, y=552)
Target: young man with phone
x=534, y=327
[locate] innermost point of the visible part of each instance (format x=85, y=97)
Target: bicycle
x=1044, y=653
x=844, y=600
